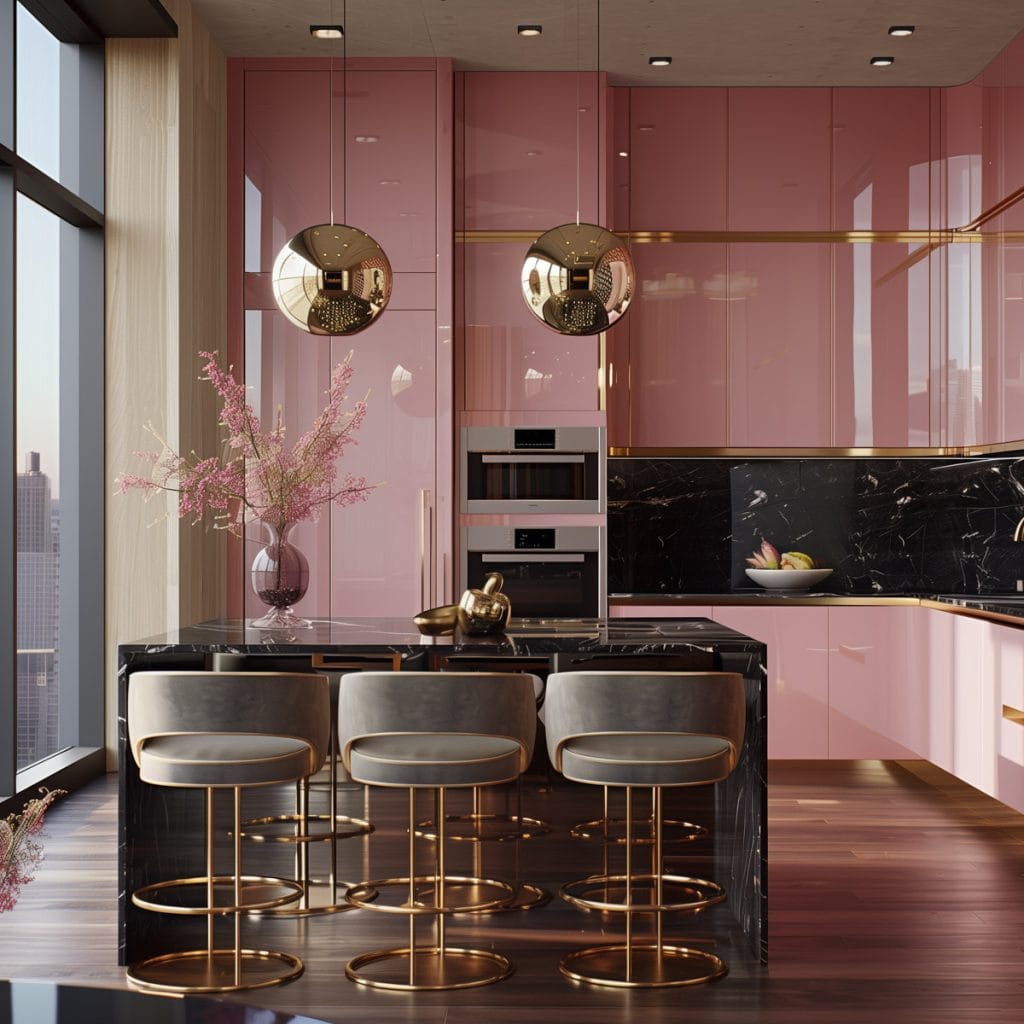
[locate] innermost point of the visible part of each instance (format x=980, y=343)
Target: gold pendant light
x=578, y=278
x=331, y=278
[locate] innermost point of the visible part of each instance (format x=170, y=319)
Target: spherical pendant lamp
x=332, y=279
x=578, y=278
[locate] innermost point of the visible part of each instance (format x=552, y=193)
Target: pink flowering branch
x=259, y=477
x=20, y=851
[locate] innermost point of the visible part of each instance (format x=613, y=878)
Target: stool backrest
x=409, y=703
x=181, y=703
x=661, y=703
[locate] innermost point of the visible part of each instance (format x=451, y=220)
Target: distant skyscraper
x=37, y=614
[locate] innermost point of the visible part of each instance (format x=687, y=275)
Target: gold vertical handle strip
x=1013, y=714
x=423, y=553
x=431, y=529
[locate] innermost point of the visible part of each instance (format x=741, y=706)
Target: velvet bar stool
x=434, y=731
x=644, y=730
x=223, y=730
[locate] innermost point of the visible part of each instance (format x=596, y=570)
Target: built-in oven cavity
x=507, y=469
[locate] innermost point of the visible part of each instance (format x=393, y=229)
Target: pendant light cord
x=344, y=105
x=330, y=118
x=578, y=72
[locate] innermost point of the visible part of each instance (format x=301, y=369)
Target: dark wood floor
x=896, y=894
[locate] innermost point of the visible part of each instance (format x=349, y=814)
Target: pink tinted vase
x=280, y=578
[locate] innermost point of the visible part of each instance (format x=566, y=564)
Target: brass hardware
x=1013, y=714
x=993, y=211
x=1018, y=533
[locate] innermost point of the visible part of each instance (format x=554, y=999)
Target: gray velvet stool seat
x=223, y=730
x=650, y=730
x=433, y=730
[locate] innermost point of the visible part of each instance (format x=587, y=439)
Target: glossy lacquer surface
x=513, y=362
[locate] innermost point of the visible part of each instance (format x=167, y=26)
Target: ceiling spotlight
x=901, y=30
x=326, y=31
x=882, y=62
x=659, y=62
x=623, y=152
x=529, y=30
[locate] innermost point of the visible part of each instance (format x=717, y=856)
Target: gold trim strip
x=497, y=236
x=974, y=613
x=634, y=452
x=1013, y=714
x=993, y=211
x=602, y=372
x=916, y=237
x=756, y=598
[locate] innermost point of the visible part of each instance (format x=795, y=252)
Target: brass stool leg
x=437, y=966
x=212, y=969
x=643, y=965
x=609, y=829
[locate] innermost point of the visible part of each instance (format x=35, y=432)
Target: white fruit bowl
x=788, y=579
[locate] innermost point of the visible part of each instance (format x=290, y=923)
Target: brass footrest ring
x=527, y=897
x=647, y=967
x=253, y=884
x=198, y=971
x=288, y=824
x=427, y=969
x=318, y=898
x=614, y=831
x=484, y=828
x=608, y=893
x=484, y=893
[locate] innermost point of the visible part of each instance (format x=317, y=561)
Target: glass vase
x=280, y=578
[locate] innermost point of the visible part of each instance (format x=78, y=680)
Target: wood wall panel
x=165, y=301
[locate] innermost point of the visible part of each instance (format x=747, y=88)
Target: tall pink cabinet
x=392, y=154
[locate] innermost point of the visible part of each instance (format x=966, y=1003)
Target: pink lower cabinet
x=869, y=679
x=797, y=639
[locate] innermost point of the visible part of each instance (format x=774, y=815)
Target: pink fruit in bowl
x=766, y=558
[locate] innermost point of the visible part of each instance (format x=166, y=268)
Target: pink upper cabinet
x=881, y=346
x=880, y=159
x=678, y=353
x=780, y=373
x=520, y=149
x=512, y=361
x=390, y=182
x=678, y=159
x=779, y=142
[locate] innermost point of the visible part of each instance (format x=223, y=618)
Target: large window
x=51, y=399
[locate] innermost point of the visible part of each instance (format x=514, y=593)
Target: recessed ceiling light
x=326, y=31
x=659, y=62
x=882, y=62
x=367, y=138
x=389, y=181
x=623, y=152
x=645, y=127
x=529, y=30
x=901, y=30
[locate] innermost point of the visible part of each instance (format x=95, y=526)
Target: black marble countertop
x=523, y=637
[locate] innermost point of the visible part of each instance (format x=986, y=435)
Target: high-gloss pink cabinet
x=779, y=143
x=678, y=159
x=520, y=149
x=798, y=674
x=678, y=358
x=779, y=316
x=512, y=361
x=867, y=669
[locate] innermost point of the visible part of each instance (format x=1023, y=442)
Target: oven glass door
x=543, y=584
x=565, y=476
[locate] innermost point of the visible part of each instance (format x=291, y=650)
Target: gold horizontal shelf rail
x=922, y=237
x=646, y=452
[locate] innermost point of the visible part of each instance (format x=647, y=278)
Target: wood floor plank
x=896, y=894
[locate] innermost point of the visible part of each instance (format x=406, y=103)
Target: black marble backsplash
x=886, y=526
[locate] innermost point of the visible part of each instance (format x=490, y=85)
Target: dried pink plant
x=20, y=852
x=258, y=476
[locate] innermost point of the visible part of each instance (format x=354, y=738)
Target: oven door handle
x=543, y=457
x=533, y=556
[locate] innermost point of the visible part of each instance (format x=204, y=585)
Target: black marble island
x=160, y=828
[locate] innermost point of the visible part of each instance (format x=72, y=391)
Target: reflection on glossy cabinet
x=798, y=681
x=512, y=361
x=779, y=159
x=520, y=143
x=868, y=667
x=780, y=380
x=677, y=155
x=881, y=347
x=678, y=352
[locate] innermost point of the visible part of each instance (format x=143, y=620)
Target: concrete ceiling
x=713, y=42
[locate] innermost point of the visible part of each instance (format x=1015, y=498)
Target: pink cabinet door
x=798, y=685
x=881, y=344
x=779, y=143
x=677, y=157
x=1008, y=670
x=512, y=361
x=868, y=657
x=520, y=150
x=880, y=159
x=380, y=550
x=779, y=315
x=678, y=351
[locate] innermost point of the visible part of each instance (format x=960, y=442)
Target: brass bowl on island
x=440, y=621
